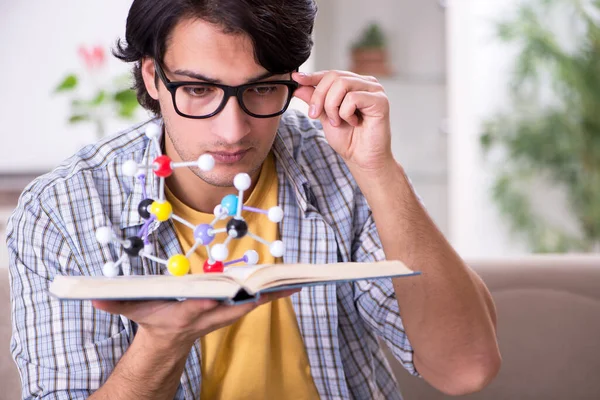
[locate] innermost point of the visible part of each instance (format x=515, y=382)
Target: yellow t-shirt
x=262, y=355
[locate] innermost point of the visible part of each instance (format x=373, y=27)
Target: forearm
x=447, y=312
x=149, y=370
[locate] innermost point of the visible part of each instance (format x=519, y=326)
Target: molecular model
x=160, y=210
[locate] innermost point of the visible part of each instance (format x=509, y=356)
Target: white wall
x=39, y=42
x=417, y=92
x=478, y=70
x=415, y=31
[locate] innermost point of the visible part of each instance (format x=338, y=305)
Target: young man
x=344, y=196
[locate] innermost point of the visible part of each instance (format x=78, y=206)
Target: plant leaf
x=74, y=119
x=127, y=103
x=126, y=96
x=552, y=128
x=99, y=99
x=69, y=83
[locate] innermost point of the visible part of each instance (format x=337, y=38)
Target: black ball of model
x=143, y=208
x=237, y=228
x=135, y=246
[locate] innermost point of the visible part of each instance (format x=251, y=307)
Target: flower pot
x=370, y=61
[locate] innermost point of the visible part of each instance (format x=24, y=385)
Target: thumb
x=304, y=93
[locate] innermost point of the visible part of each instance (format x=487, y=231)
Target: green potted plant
x=110, y=98
x=369, y=53
x=552, y=129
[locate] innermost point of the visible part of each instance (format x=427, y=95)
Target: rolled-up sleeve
x=63, y=350
x=376, y=299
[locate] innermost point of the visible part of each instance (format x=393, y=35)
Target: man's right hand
x=183, y=321
x=152, y=366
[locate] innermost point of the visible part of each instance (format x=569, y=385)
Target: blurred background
x=494, y=105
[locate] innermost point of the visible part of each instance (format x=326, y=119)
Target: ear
x=149, y=75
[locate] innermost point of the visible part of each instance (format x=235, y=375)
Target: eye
x=199, y=91
x=264, y=90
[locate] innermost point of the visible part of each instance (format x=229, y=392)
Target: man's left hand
x=355, y=113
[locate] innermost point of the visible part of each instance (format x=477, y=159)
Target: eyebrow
x=200, y=77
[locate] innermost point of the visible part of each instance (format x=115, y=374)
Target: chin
x=223, y=176
x=216, y=179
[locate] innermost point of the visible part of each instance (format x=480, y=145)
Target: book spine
x=243, y=297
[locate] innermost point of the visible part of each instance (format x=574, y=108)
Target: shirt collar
x=291, y=172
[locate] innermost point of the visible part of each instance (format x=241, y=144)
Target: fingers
x=267, y=297
x=348, y=109
x=136, y=310
x=309, y=82
x=359, y=104
x=332, y=100
x=330, y=91
x=194, y=307
x=120, y=307
x=224, y=315
x=313, y=79
x=194, y=316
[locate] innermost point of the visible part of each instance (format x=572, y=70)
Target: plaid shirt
x=68, y=349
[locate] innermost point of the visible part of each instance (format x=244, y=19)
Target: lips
x=226, y=157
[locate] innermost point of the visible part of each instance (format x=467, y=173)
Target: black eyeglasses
x=201, y=100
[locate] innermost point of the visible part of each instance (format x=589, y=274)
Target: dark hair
x=280, y=30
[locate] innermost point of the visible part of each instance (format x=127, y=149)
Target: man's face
x=237, y=141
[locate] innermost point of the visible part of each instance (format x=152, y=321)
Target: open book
x=234, y=285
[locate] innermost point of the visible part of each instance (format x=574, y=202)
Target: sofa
x=548, y=310
x=548, y=329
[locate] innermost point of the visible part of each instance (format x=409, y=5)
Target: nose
x=232, y=122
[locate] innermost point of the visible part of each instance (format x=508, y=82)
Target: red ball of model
x=163, y=167
x=216, y=266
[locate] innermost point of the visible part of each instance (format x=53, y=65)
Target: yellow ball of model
x=178, y=265
x=161, y=210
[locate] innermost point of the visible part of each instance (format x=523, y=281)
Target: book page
x=242, y=273
x=144, y=287
x=274, y=275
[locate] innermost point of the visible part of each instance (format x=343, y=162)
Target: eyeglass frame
x=229, y=91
